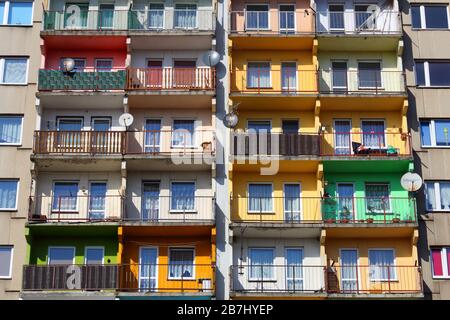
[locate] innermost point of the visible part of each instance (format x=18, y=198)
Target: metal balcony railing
x=385, y=22
x=364, y=144
x=155, y=79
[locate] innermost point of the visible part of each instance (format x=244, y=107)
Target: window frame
x=357, y=266
x=96, y=69
x=5, y=18
x=259, y=120
x=175, y=211
x=169, y=260
x=426, y=73
x=432, y=133
x=393, y=266
x=374, y=120
x=380, y=62
x=194, y=134
x=196, y=15
x=258, y=28
x=286, y=31
x=445, y=267
x=61, y=247
x=11, y=247
x=163, y=27
x=17, y=195
x=156, y=269
x=59, y=118
x=372, y=183
x=288, y=89
x=21, y=130
x=295, y=183
x=272, y=211
x=94, y=247
x=2, y=70
x=270, y=86
x=437, y=195
x=77, y=209
x=423, y=23
x=274, y=275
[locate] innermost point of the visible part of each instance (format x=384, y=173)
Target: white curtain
x=431, y=196
x=156, y=16
x=185, y=16
x=349, y=269
x=258, y=75
x=373, y=134
x=261, y=264
x=10, y=129
x=150, y=201
x=152, y=135
x=294, y=269
x=183, y=196
x=65, y=196
x=106, y=17
x=148, y=268
x=445, y=195
x=377, y=197
x=342, y=137
x=8, y=194
x=289, y=76
x=183, y=133
x=15, y=70
x=382, y=265
x=292, y=202
x=260, y=198
x=181, y=264
x=97, y=201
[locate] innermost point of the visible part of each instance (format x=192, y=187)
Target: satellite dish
x=126, y=119
x=411, y=181
x=230, y=120
x=211, y=58
x=68, y=64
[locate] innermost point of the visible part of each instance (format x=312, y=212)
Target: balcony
x=275, y=144
x=365, y=145
x=159, y=278
x=171, y=79
x=374, y=280
x=362, y=82
x=89, y=80
x=144, y=209
x=376, y=210
x=277, y=280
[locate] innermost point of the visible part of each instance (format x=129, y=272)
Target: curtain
x=258, y=75
x=437, y=262
x=185, y=16
x=430, y=195
x=97, y=201
x=10, y=129
x=19, y=13
x=345, y=201
x=183, y=196
x=442, y=132
x=106, y=16
x=150, y=201
x=287, y=17
x=183, y=133
x=65, y=196
x=261, y=264
x=373, y=134
x=382, y=265
x=181, y=264
x=294, y=269
x=289, y=75
x=15, y=70
x=292, y=202
x=156, y=16
x=342, y=137
x=148, y=268
x=152, y=135
x=445, y=195
x=260, y=198
x=377, y=197
x=349, y=269
x=8, y=194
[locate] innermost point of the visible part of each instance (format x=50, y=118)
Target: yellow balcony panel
x=358, y=42
x=362, y=103
x=264, y=41
x=271, y=101
x=259, y=165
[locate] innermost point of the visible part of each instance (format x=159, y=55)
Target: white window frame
x=11, y=247
x=261, y=120
x=157, y=266
x=358, y=268
x=163, y=27
x=181, y=248
x=268, y=16
x=94, y=247
x=143, y=183
x=4, y=19
x=373, y=120
x=393, y=266
x=372, y=183
x=296, y=76
x=302, y=279
x=21, y=130
x=426, y=71
x=279, y=20
x=96, y=118
x=337, y=88
x=248, y=198
x=274, y=275
x=194, y=135
x=423, y=22
x=58, y=120
x=270, y=74
x=349, y=120
x=337, y=3
x=445, y=266
x=161, y=133
x=17, y=195
x=355, y=207
x=170, y=197
x=2, y=71
x=437, y=194
x=53, y=196
x=379, y=61
x=432, y=133
x=61, y=247
x=196, y=15
x=300, y=199
x=90, y=194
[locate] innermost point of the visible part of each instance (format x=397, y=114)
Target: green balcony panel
x=58, y=80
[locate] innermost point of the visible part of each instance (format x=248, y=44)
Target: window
x=182, y=196
x=106, y=16
x=101, y=124
x=259, y=126
x=290, y=126
x=10, y=130
x=294, y=269
x=382, y=265
x=435, y=133
x=74, y=18
x=440, y=262
x=183, y=135
x=148, y=268
x=260, y=197
x=429, y=17
x=339, y=70
x=65, y=196
x=257, y=17
x=289, y=76
x=6, y=256
x=70, y=124
x=373, y=134
x=16, y=13
x=181, y=263
x=97, y=200
x=287, y=18
x=342, y=136
x=377, y=197
x=432, y=73
x=258, y=75
x=103, y=65
x=80, y=64
x=349, y=269
x=336, y=17
x=437, y=195
x=292, y=202
x=8, y=194
x=150, y=201
x=94, y=255
x=156, y=16
x=369, y=75
x=153, y=135
x=186, y=16
x=261, y=264
x=13, y=70
x=365, y=19
x=61, y=255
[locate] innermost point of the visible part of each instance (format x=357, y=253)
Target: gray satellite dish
x=211, y=58
x=411, y=181
x=230, y=120
x=126, y=119
x=68, y=64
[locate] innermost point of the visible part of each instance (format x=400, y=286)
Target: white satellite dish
x=126, y=119
x=211, y=58
x=411, y=181
x=231, y=120
x=68, y=64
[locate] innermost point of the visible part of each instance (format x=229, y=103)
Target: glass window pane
x=97, y=200
x=339, y=69
x=292, y=202
x=182, y=196
x=65, y=196
x=2, y=11
x=183, y=133
x=439, y=73
x=156, y=15
x=185, y=16
x=101, y=124
x=441, y=128
x=342, y=136
x=430, y=193
x=257, y=17
x=437, y=262
x=259, y=126
x=106, y=16
x=94, y=256
x=70, y=124
x=382, y=265
x=150, y=201
x=20, y=13
x=15, y=70
x=436, y=17
x=153, y=135
x=10, y=130
x=261, y=263
x=415, y=17
x=8, y=194
x=289, y=75
x=444, y=188
x=258, y=75
x=61, y=255
x=369, y=74
x=425, y=133
x=103, y=65
x=287, y=17
x=377, y=197
x=373, y=134
x=260, y=197
x=5, y=261
x=420, y=73
x=290, y=126
x=181, y=263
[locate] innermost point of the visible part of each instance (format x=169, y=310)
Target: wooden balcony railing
x=156, y=79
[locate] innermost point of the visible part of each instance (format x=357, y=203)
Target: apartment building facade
x=426, y=54
x=20, y=23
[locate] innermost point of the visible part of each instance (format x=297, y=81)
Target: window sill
x=181, y=279
x=5, y=278
x=183, y=211
x=16, y=25
x=10, y=145
x=384, y=280
x=430, y=29
x=8, y=210
x=258, y=212
x=441, y=277
x=265, y=280
x=14, y=84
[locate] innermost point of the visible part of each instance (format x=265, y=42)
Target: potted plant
x=396, y=219
x=330, y=220
x=345, y=215
x=369, y=220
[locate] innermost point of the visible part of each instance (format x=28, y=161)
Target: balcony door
x=349, y=270
x=342, y=137
x=150, y=201
x=184, y=73
x=148, y=269
x=97, y=200
x=346, y=207
x=100, y=135
x=65, y=197
x=373, y=134
x=152, y=143
x=258, y=75
x=257, y=17
x=369, y=75
x=336, y=19
x=294, y=269
x=339, y=76
x=185, y=16
x=154, y=74
x=106, y=16
x=289, y=76
x=292, y=202
x=287, y=18
x=156, y=16
x=69, y=136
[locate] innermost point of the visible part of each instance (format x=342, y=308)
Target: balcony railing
x=263, y=80
x=156, y=79
x=365, y=144
x=87, y=80
x=376, y=279
x=386, y=210
x=172, y=19
x=161, y=142
x=292, y=210
x=272, y=22
x=358, y=22
x=361, y=81
x=278, y=144
x=144, y=278
x=290, y=278
x=79, y=142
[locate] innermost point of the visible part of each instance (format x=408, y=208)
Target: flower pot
x=330, y=220
x=345, y=221
x=396, y=220
x=369, y=220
